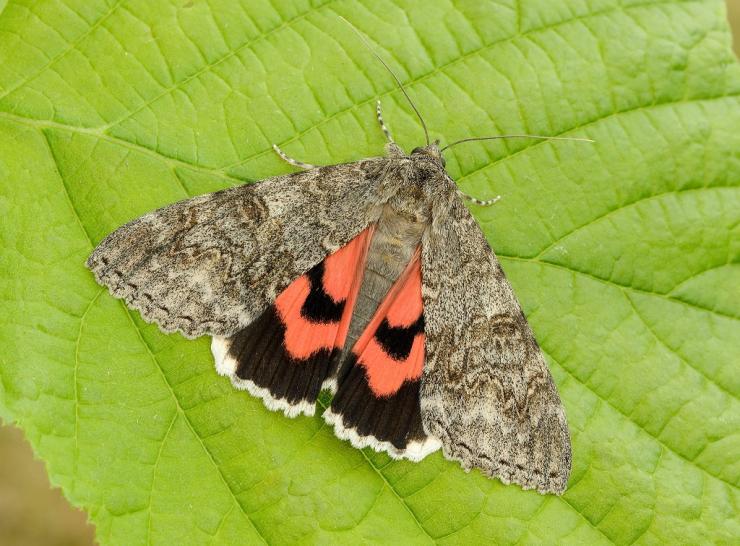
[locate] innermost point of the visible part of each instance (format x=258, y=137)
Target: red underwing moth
x=370, y=279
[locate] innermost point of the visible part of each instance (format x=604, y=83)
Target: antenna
x=540, y=137
x=388, y=68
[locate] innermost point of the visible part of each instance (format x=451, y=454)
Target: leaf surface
x=624, y=254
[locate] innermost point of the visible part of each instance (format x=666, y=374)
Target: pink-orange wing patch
x=391, y=349
x=316, y=308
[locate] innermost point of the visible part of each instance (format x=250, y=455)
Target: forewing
x=486, y=391
x=213, y=263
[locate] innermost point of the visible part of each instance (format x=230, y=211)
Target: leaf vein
x=629, y=418
x=618, y=285
x=189, y=424
x=209, y=66
x=391, y=488
x=149, y=349
x=660, y=341
x=154, y=478
x=623, y=206
x=358, y=104
x=70, y=46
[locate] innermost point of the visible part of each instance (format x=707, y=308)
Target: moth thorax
x=402, y=228
x=411, y=205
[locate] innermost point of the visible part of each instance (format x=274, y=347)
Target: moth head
x=430, y=150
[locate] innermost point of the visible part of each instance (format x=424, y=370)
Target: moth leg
x=294, y=162
x=383, y=126
x=486, y=203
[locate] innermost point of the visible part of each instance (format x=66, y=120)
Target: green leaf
x=624, y=254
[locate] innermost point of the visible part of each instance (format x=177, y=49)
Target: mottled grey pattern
x=211, y=264
x=486, y=391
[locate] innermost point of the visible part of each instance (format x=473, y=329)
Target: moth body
x=396, y=237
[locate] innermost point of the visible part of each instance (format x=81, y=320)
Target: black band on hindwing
x=262, y=358
x=398, y=340
x=395, y=419
x=319, y=307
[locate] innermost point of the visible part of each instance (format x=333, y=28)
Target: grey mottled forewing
x=212, y=264
x=486, y=392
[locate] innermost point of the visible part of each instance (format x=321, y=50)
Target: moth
x=371, y=280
